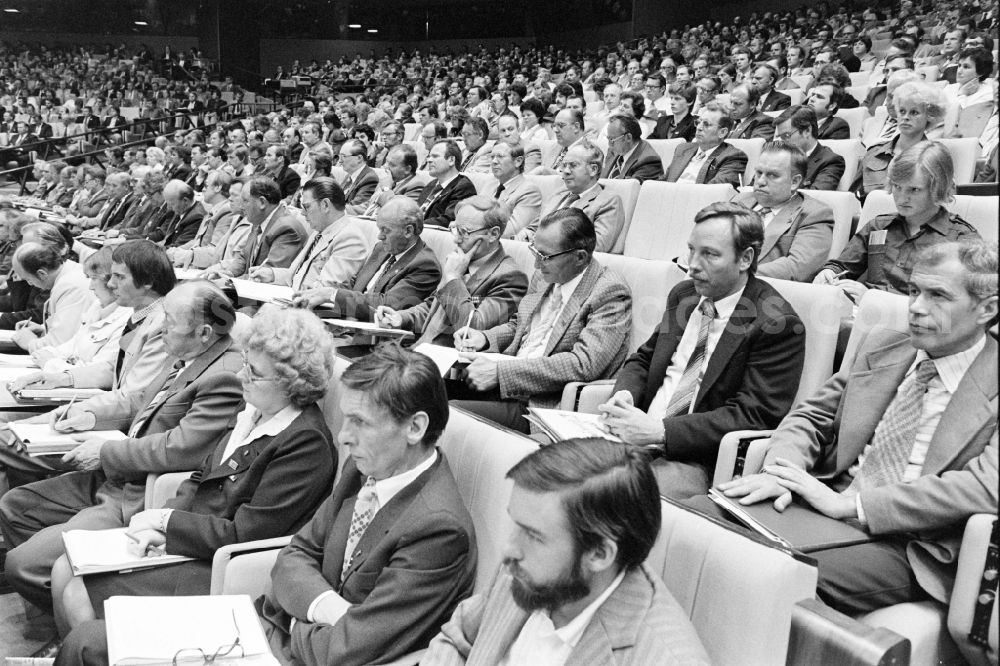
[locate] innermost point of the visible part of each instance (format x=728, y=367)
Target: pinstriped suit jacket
x=588, y=341
x=640, y=623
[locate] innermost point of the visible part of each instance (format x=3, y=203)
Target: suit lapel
x=732, y=336
x=569, y=312
x=967, y=412
x=486, y=270
x=370, y=267
x=708, y=165
x=530, y=304
x=397, y=267
x=616, y=623
x=781, y=223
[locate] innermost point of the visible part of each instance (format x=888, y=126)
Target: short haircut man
x=549, y=353
x=586, y=514
x=381, y=595
x=797, y=127
x=748, y=374
x=709, y=158
x=911, y=486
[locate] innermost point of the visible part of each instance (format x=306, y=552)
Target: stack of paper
x=560, y=424
x=100, y=551
x=153, y=630
x=261, y=291
x=57, y=395
x=367, y=328
x=39, y=439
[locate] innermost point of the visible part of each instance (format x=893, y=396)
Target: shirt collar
x=386, y=489
x=273, y=426
x=591, y=191
x=567, y=288
x=941, y=222
x=952, y=368
x=267, y=220
x=572, y=632
x=724, y=307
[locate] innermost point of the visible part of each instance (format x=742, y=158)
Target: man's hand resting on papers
x=261, y=274
x=818, y=495
x=312, y=298
x=482, y=374
x=386, y=317
x=632, y=425
x=86, y=457
x=469, y=340
x=40, y=380
x=146, y=543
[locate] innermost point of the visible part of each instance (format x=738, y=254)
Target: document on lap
x=560, y=424
x=39, y=439
x=166, y=630
x=103, y=551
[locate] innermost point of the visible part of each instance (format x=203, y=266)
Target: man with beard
x=574, y=586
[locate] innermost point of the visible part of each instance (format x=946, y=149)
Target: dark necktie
x=616, y=170
x=496, y=195
x=123, y=343
x=158, y=399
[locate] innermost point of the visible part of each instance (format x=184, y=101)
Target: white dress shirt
x=541, y=643
x=724, y=308
x=247, y=428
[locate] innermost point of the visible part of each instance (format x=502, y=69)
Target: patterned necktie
x=889, y=452
x=157, y=400
x=616, y=170
x=380, y=273
x=569, y=200
x=306, y=259
x=680, y=402
x=467, y=161
x=537, y=336
x=365, y=508
x=559, y=159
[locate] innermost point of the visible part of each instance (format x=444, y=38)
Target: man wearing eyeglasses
x=390, y=137
x=570, y=131
x=580, y=172
x=708, y=159
x=573, y=325
x=401, y=271
x=481, y=285
x=657, y=102
x=797, y=127
x=629, y=156
x=360, y=180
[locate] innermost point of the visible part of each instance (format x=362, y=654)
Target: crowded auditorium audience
x=753, y=265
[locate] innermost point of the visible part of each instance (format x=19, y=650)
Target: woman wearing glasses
x=266, y=477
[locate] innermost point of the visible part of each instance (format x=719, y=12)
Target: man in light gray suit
x=335, y=250
x=581, y=170
x=798, y=229
x=521, y=196
x=401, y=163
x=903, y=441
x=586, y=514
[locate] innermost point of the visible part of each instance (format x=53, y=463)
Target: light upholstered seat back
x=738, y=592
x=664, y=217
x=627, y=190
x=980, y=212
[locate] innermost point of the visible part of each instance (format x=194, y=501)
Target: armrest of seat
x=161, y=487
x=586, y=396
x=253, y=569
x=975, y=592
x=821, y=634
x=741, y=452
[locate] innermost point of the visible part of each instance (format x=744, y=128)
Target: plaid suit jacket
x=588, y=340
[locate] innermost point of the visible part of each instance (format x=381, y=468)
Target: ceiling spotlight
x=141, y=23
x=354, y=25
x=11, y=10
x=372, y=30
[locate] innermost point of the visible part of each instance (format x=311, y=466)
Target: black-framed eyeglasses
x=544, y=258
x=611, y=140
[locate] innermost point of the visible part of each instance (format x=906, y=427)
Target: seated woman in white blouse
x=98, y=338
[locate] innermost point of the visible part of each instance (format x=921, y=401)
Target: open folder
x=169, y=630
x=103, y=551
x=39, y=439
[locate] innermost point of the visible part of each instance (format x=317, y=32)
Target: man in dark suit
x=763, y=80
x=479, y=279
x=628, y=155
x=903, y=441
x=360, y=180
x=20, y=146
x=389, y=555
x=187, y=215
x=178, y=163
x=709, y=159
x=400, y=272
x=439, y=197
x=727, y=356
x=825, y=99
x=276, y=235
x=172, y=425
x=748, y=122
x=798, y=228
x=275, y=163
x=635, y=619
x=796, y=126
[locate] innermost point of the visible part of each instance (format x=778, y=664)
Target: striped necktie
x=157, y=400
x=687, y=387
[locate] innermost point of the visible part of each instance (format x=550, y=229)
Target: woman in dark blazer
x=265, y=479
x=681, y=125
